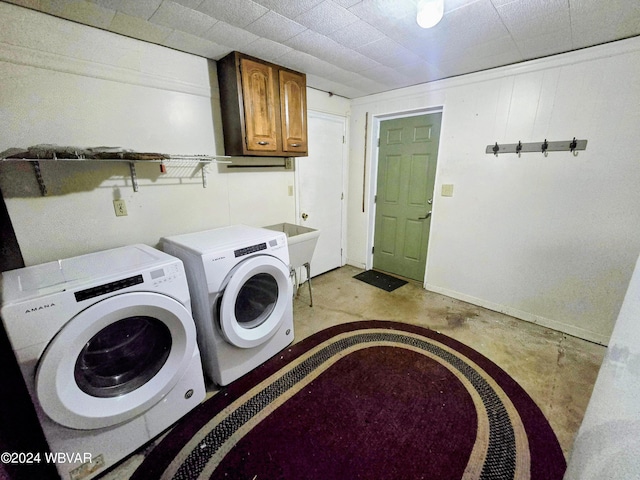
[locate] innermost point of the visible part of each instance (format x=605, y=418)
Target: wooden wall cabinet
x=264, y=108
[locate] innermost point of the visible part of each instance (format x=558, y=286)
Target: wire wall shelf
x=46, y=154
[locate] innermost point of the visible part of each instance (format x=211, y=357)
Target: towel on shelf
x=46, y=150
x=50, y=151
x=14, y=153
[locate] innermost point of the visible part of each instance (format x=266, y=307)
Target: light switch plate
x=447, y=190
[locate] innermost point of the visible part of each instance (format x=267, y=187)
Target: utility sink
x=301, y=240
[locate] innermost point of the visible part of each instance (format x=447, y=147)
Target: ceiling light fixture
x=429, y=12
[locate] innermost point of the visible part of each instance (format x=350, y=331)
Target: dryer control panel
x=241, y=252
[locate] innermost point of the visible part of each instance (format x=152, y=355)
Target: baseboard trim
x=526, y=316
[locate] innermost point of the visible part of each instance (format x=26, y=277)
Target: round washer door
x=115, y=360
x=255, y=300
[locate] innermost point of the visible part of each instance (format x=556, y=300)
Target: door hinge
x=375, y=199
x=342, y=196
x=378, y=143
x=372, y=249
x=342, y=138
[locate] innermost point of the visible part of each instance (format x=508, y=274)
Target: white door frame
x=345, y=148
x=373, y=177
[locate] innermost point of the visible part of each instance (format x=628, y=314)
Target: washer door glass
x=254, y=301
x=123, y=356
x=115, y=359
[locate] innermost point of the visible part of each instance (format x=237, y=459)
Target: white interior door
x=320, y=187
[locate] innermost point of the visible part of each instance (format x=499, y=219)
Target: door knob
x=426, y=216
x=305, y=216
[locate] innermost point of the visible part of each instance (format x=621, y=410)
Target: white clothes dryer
x=107, y=347
x=241, y=294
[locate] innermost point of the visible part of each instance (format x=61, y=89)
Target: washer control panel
x=99, y=290
x=165, y=275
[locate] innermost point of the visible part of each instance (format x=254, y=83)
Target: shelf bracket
x=204, y=172
x=134, y=176
x=41, y=184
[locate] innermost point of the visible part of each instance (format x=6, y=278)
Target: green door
x=406, y=176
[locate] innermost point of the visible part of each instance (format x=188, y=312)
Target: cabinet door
x=259, y=105
x=293, y=108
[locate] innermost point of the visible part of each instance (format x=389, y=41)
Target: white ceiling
x=358, y=47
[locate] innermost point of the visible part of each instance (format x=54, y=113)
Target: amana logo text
x=41, y=307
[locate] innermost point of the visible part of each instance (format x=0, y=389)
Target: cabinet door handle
x=263, y=143
x=294, y=144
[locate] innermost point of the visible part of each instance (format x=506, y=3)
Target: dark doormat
x=380, y=280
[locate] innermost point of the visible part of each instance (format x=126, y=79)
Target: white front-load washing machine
x=107, y=347
x=241, y=294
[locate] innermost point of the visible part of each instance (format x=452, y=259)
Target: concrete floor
x=558, y=371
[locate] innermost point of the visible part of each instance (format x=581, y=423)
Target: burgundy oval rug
x=364, y=400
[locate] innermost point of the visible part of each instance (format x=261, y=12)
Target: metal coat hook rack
x=545, y=147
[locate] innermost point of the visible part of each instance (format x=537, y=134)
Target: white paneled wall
x=607, y=443
x=549, y=239
x=68, y=84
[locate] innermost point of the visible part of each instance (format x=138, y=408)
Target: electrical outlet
x=120, y=207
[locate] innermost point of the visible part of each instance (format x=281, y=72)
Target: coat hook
x=572, y=147
x=496, y=148
x=545, y=145
x=519, y=147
